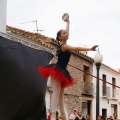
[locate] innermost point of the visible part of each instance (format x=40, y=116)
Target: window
x=86, y=79
x=104, y=85
x=85, y=76
x=113, y=87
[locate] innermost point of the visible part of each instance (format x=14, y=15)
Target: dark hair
x=57, y=38
x=58, y=35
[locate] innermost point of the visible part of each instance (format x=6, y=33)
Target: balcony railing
x=106, y=92
x=115, y=93
x=88, y=88
x=110, y=93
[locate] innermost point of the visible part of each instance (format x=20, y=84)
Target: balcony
x=115, y=94
x=87, y=88
x=110, y=93
x=106, y=92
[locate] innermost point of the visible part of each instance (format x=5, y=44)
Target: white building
x=109, y=95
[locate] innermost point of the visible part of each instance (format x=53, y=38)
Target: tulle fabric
x=57, y=73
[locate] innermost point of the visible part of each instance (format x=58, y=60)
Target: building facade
x=81, y=96
x=109, y=92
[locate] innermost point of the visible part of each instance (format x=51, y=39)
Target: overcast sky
x=91, y=22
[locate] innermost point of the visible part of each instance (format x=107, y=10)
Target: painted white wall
x=3, y=15
x=104, y=103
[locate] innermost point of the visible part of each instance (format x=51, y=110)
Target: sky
x=92, y=22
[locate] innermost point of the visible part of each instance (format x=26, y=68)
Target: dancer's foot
x=63, y=116
x=53, y=116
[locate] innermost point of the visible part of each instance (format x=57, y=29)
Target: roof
x=38, y=38
x=116, y=71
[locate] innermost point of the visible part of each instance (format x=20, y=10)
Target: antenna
x=37, y=27
x=36, y=23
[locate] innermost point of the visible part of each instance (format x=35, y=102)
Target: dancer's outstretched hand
x=94, y=47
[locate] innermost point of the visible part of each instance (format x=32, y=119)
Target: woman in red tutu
x=58, y=72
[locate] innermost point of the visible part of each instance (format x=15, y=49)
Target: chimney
x=3, y=15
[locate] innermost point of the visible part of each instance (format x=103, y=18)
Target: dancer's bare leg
x=54, y=99
x=61, y=104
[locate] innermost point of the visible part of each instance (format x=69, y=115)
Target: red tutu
x=57, y=73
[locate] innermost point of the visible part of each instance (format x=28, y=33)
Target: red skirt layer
x=57, y=73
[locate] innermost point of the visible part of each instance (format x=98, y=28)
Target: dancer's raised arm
x=65, y=18
x=67, y=26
